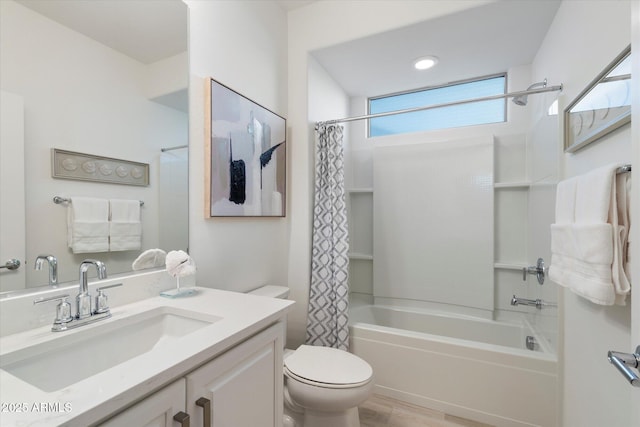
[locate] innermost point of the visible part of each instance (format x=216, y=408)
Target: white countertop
x=94, y=398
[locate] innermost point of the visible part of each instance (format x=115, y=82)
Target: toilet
x=322, y=386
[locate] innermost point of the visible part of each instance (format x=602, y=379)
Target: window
x=475, y=113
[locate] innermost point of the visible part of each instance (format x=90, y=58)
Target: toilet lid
x=328, y=366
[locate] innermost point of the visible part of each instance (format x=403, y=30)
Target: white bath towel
x=180, y=264
x=588, y=241
x=88, y=225
x=149, y=259
x=125, y=228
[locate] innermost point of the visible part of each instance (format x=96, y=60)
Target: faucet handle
x=102, y=302
x=63, y=310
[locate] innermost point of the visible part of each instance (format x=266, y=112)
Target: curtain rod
x=446, y=104
x=177, y=147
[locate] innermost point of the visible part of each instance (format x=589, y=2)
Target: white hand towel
x=88, y=225
x=588, y=240
x=125, y=228
x=180, y=264
x=149, y=259
x=566, y=201
x=620, y=220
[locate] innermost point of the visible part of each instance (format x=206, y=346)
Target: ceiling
x=483, y=40
x=147, y=31
x=480, y=41
x=144, y=30
x=293, y=4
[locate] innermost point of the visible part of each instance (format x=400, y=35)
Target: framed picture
x=602, y=107
x=245, y=156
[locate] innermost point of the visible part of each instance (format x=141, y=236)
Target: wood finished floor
x=380, y=411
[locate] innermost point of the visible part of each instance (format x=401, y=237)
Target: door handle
x=625, y=363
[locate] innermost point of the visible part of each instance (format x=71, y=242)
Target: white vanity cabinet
x=156, y=410
x=242, y=387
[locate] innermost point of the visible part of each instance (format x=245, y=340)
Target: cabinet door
x=243, y=387
x=156, y=410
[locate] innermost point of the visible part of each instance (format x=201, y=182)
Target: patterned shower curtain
x=327, y=322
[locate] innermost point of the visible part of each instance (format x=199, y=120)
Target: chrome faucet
x=84, y=314
x=53, y=267
x=83, y=299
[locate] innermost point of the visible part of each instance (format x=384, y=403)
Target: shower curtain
x=327, y=321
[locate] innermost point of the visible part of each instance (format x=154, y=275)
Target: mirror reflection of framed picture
x=604, y=105
x=245, y=156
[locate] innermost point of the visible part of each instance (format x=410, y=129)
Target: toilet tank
x=272, y=291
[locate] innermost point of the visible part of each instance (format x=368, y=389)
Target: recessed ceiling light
x=425, y=62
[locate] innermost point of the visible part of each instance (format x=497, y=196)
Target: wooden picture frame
x=245, y=156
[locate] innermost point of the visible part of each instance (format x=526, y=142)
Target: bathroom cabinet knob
x=205, y=404
x=182, y=418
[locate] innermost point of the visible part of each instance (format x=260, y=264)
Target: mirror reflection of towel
x=125, y=228
x=88, y=225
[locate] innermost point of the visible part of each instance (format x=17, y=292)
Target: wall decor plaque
x=87, y=167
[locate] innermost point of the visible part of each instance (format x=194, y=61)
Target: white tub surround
x=469, y=367
x=244, y=326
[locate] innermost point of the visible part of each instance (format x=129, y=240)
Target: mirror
x=102, y=78
x=604, y=106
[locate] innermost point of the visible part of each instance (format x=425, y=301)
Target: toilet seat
x=327, y=367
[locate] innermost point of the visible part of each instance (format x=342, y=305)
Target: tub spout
x=537, y=303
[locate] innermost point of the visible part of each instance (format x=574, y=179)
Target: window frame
x=440, y=86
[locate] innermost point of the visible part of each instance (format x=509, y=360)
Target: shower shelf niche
x=359, y=202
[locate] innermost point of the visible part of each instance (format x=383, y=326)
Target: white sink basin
x=75, y=355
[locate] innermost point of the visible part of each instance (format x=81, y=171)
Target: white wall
x=319, y=25
x=75, y=91
x=584, y=37
x=242, y=44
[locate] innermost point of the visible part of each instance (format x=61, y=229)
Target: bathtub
x=464, y=366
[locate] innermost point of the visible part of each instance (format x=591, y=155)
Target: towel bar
x=12, y=264
x=59, y=200
x=623, y=169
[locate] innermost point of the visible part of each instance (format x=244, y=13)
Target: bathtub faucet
x=537, y=303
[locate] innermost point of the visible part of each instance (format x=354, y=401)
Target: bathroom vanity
x=214, y=357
